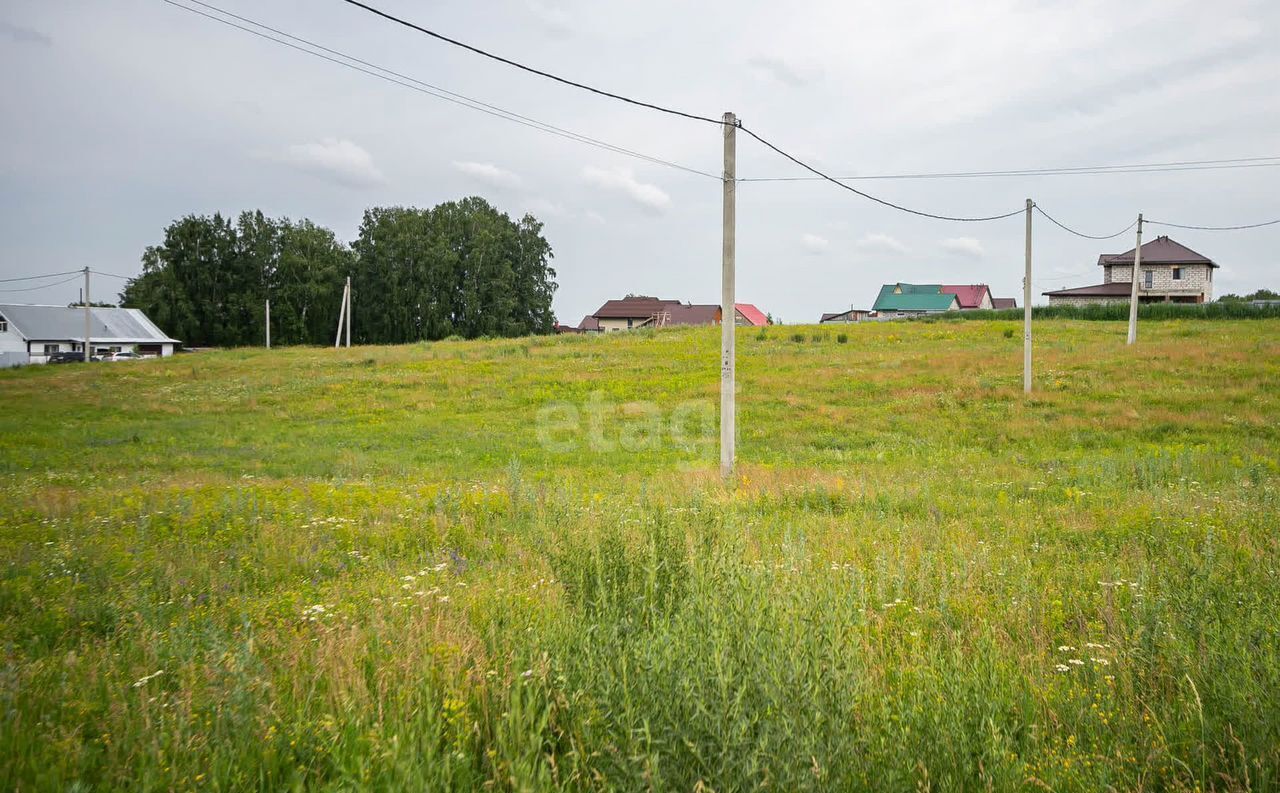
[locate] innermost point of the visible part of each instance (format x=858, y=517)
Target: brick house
x=1171, y=273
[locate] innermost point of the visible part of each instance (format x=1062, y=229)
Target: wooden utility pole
x=348, y=311
x=1026, y=311
x=1133, y=294
x=88, y=320
x=268, y=323
x=342, y=315
x=728, y=312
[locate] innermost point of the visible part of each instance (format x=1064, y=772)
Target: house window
x=629, y=321
x=1177, y=273
x=1148, y=279
x=4, y=325
x=50, y=349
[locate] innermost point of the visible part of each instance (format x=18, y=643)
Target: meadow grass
x=511, y=564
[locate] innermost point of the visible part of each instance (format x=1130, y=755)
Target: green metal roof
x=913, y=297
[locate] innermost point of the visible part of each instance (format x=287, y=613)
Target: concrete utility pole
x=342, y=315
x=728, y=312
x=348, y=311
x=268, y=323
x=88, y=320
x=1133, y=294
x=1026, y=311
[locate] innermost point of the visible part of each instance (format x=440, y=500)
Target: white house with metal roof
x=30, y=334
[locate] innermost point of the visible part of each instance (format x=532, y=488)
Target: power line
x=530, y=69
x=414, y=84
x=37, y=277
x=113, y=275
x=1214, y=228
x=1205, y=165
x=870, y=197
x=1066, y=228
x=45, y=286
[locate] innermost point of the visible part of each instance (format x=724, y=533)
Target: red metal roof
x=1160, y=250
x=969, y=295
x=751, y=314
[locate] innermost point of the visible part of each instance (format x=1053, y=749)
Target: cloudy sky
x=122, y=116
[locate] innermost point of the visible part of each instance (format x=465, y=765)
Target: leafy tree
x=208, y=281
x=1261, y=294
x=461, y=268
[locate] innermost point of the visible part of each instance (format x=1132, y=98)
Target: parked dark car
x=66, y=357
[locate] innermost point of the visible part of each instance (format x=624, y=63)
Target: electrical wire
x=45, y=286
x=530, y=69
x=870, y=197
x=414, y=84
x=113, y=275
x=1066, y=228
x=1205, y=165
x=1213, y=228
x=38, y=277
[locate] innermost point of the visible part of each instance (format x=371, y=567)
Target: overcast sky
x=120, y=117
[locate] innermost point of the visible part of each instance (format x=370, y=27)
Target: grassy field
x=511, y=565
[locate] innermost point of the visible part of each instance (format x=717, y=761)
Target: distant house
x=749, y=315
x=852, y=315
x=905, y=300
x=32, y=333
x=1004, y=302
x=590, y=324
x=1171, y=273
x=970, y=296
x=634, y=312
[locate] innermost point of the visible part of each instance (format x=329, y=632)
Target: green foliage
x=208, y=282
x=1261, y=294
x=1110, y=312
x=842, y=338
x=309, y=569
x=462, y=268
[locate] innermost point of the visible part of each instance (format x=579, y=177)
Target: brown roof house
x=1171, y=273
x=639, y=311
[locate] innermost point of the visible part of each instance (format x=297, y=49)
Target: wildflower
x=1075, y=662
x=142, y=681
x=1065, y=648
x=1061, y=668
x=1100, y=661
x=526, y=674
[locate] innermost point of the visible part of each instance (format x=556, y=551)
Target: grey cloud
x=338, y=161
x=651, y=198
x=967, y=247
x=778, y=69
x=489, y=173
x=24, y=35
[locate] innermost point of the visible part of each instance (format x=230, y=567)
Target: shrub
x=843, y=338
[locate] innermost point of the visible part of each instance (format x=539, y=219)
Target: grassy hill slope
x=512, y=562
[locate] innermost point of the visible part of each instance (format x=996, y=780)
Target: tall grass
x=1120, y=311
x=920, y=579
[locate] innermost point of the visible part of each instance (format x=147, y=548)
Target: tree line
x=461, y=268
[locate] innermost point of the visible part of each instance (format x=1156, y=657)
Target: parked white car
x=123, y=355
